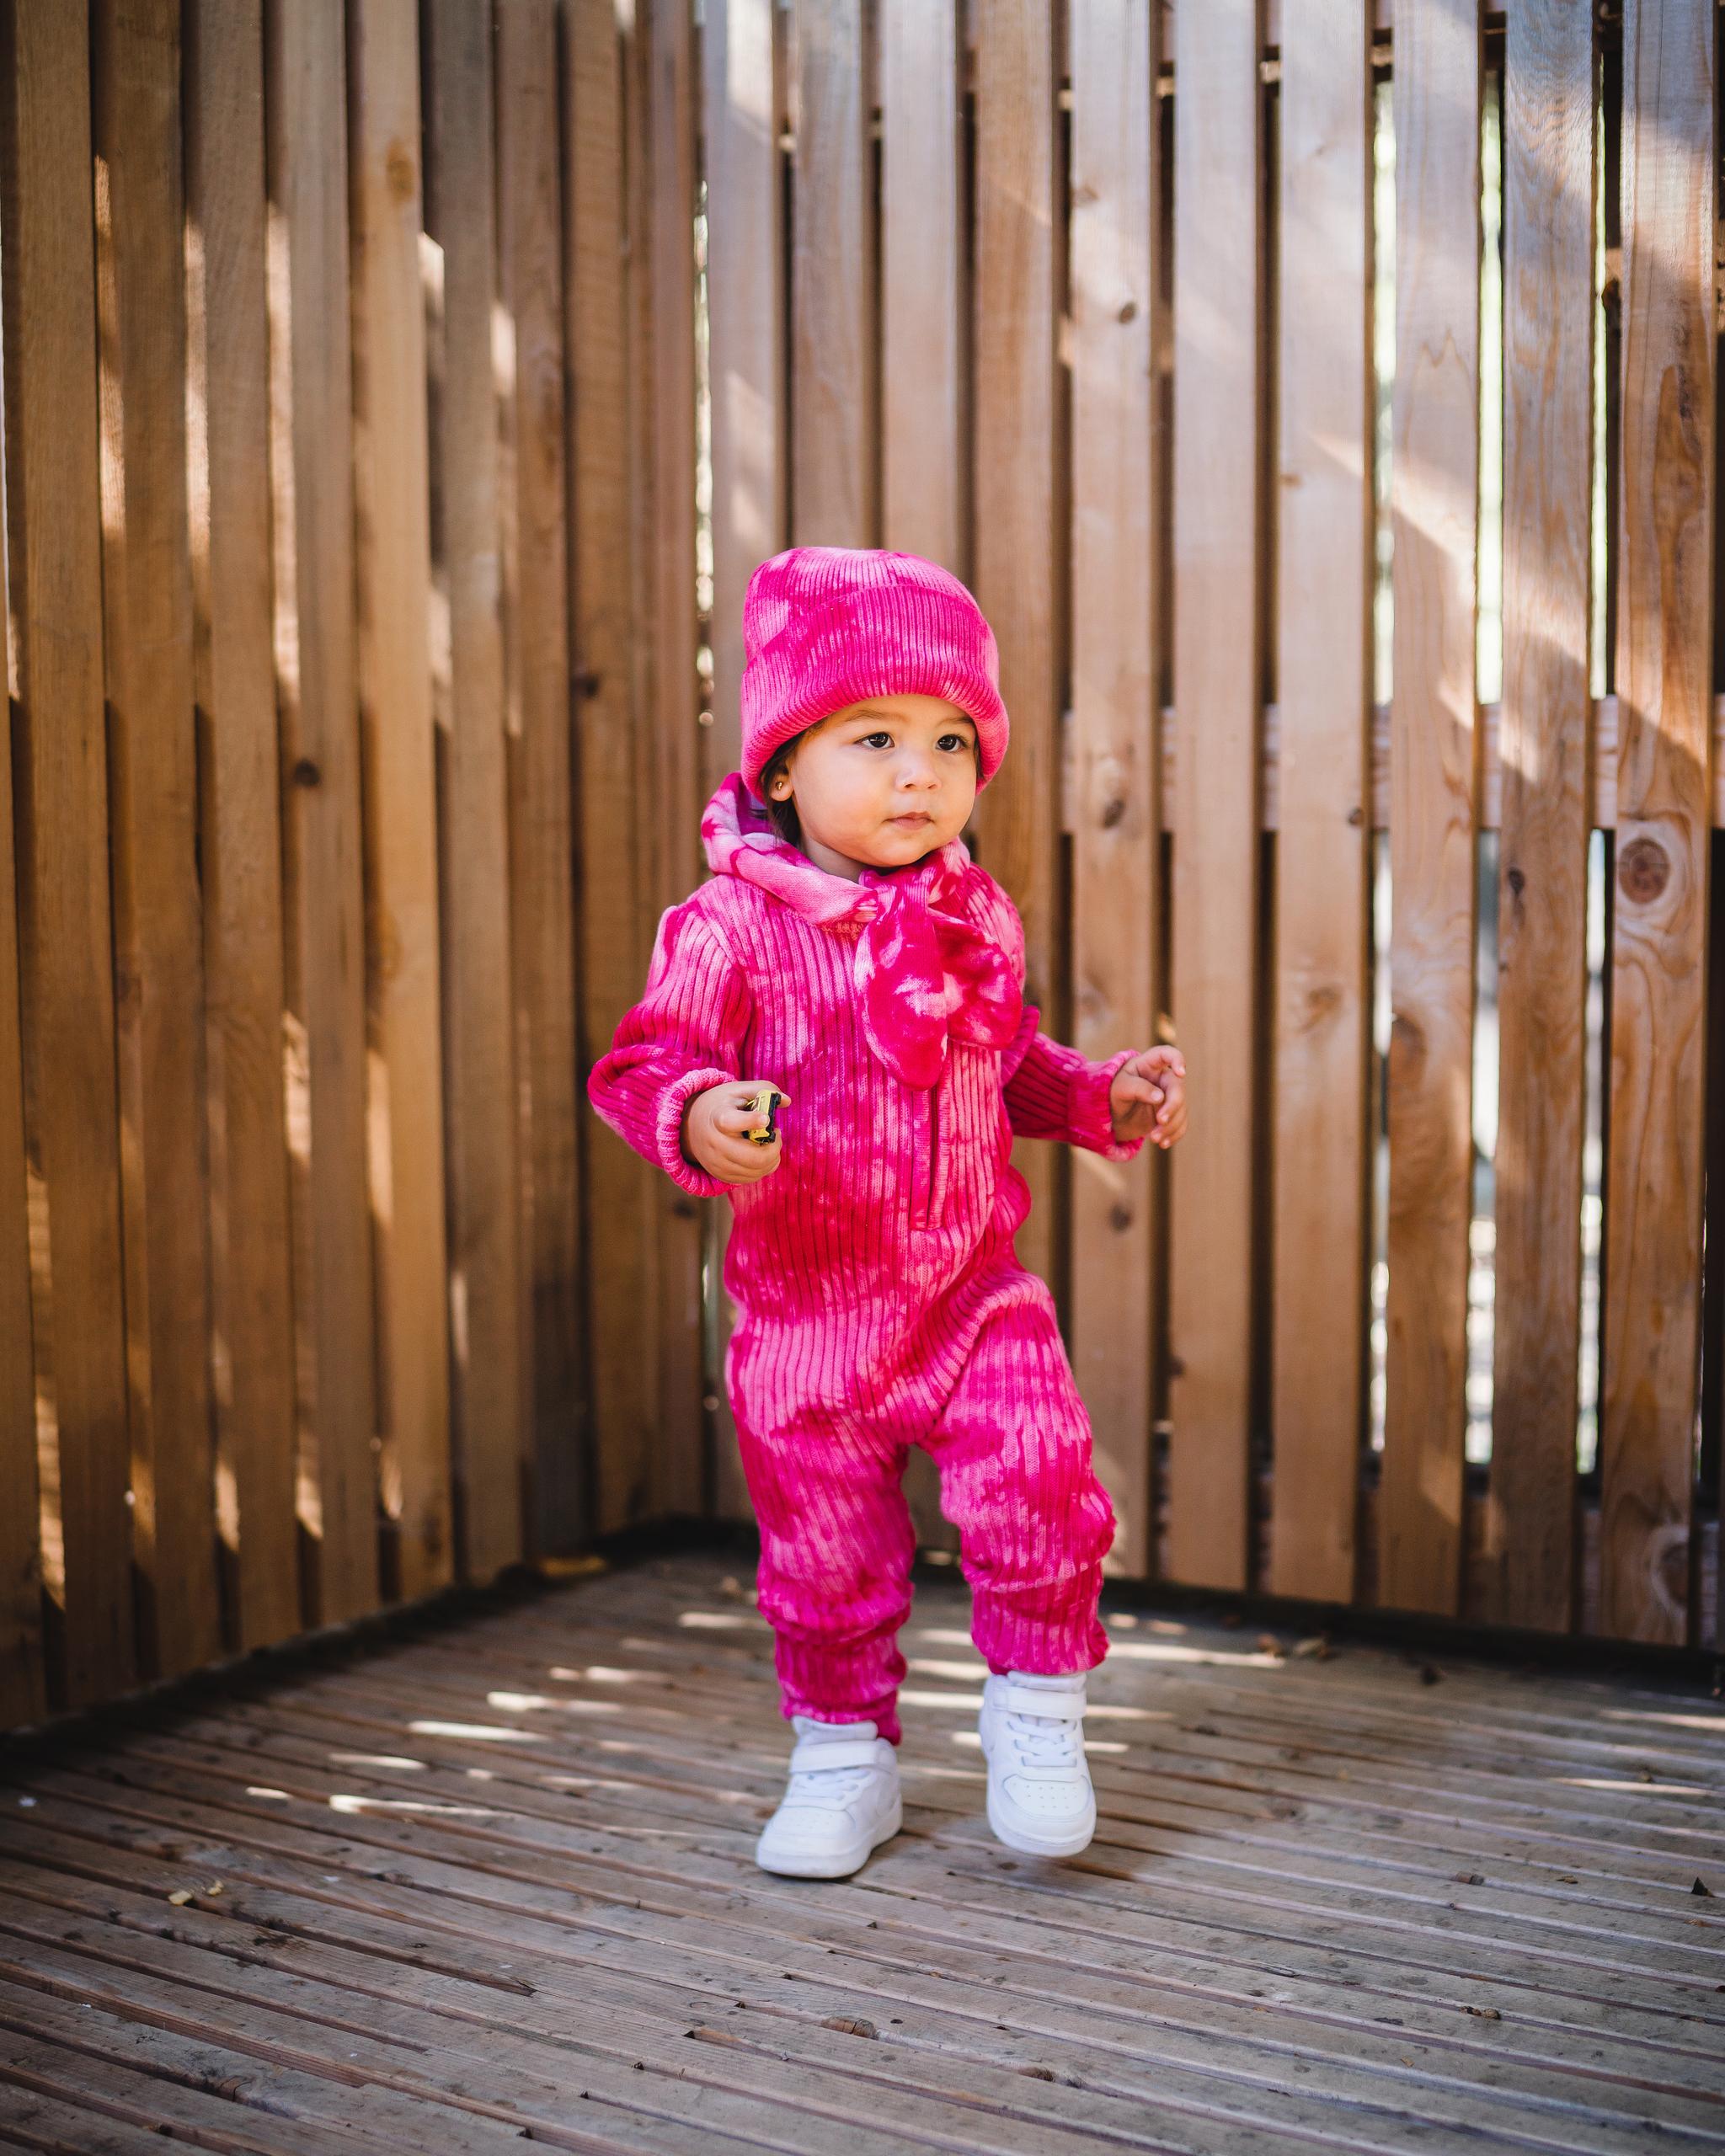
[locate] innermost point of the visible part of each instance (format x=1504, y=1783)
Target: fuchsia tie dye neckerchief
x=925, y=973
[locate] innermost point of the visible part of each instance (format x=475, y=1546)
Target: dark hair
x=786, y=821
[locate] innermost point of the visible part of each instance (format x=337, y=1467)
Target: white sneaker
x=1039, y=1796
x=843, y=1801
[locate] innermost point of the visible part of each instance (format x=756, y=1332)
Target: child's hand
x=1148, y=1098
x=714, y=1126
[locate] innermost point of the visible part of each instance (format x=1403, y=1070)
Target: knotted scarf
x=924, y=972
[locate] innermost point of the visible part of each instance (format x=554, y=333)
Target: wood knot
x=1517, y=881
x=1643, y=871
x=1111, y=812
x=1119, y=1218
x=307, y=773
x=401, y=172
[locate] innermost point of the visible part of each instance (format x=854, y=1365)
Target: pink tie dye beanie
x=825, y=627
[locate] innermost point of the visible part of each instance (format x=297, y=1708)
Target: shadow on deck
x=492, y=1881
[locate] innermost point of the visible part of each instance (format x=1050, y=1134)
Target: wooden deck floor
x=493, y=1882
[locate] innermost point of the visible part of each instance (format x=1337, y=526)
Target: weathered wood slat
x=489, y=1379
x=746, y=343
x=1216, y=662
x=22, y=1688
x=663, y=88
x=153, y=824
x=1549, y=202
x=1602, y=780
x=924, y=466
x=157, y=2077
x=1115, y=926
x=317, y=692
x=924, y=470
x=392, y=520
x=746, y=310
x=228, y=379
x=54, y=512
x=542, y=861
x=383, y=1912
x=1322, y=989
x=32, y=2119
x=1016, y=561
x=615, y=849
x=834, y=449
x=1434, y=776
x=1658, y=958
x=641, y=1968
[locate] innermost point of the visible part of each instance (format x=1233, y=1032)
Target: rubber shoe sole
x=835, y=1864
x=1030, y=1842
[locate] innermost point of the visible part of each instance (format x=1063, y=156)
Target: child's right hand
x=713, y=1124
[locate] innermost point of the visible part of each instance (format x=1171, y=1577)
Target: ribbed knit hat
x=825, y=627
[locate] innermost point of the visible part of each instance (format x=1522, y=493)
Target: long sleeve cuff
x=1053, y=1091
x=1089, y=1116
x=668, y=1127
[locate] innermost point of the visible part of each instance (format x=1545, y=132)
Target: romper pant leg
x=1012, y=1445
x=836, y=1543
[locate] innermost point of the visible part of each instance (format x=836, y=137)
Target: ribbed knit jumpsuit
x=880, y=1303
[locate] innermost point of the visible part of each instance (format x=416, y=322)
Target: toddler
x=848, y=956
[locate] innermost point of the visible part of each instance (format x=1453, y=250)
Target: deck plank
x=496, y=1876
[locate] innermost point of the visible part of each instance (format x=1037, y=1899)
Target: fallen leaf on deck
x=850, y=2024
x=1470, y=1879
x=181, y=1896
x=1483, y=2013
x=1701, y=1886
x=1318, y=1649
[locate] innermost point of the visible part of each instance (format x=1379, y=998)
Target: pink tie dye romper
x=880, y=1303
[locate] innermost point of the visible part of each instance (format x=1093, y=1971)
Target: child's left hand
x=1148, y=1098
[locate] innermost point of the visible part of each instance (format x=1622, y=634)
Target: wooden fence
x=397, y=394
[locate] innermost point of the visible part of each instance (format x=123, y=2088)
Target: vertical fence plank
x=1322, y=992
x=153, y=811
x=665, y=79
x=488, y=1380
x=393, y=521
x=1659, y=978
x=228, y=355
x=834, y=363
x=1218, y=692
x=23, y=1694
x=1434, y=752
x=1548, y=350
x=54, y=509
x=621, y=1201
x=745, y=316
x=536, y=656
x=318, y=694
x=922, y=342
x=745, y=365
x=1116, y=808
x=1016, y=569
x=922, y=357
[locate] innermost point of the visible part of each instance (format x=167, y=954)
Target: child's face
x=883, y=781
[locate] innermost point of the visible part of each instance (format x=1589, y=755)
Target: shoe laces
x=835, y=1786
x=1045, y=1740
